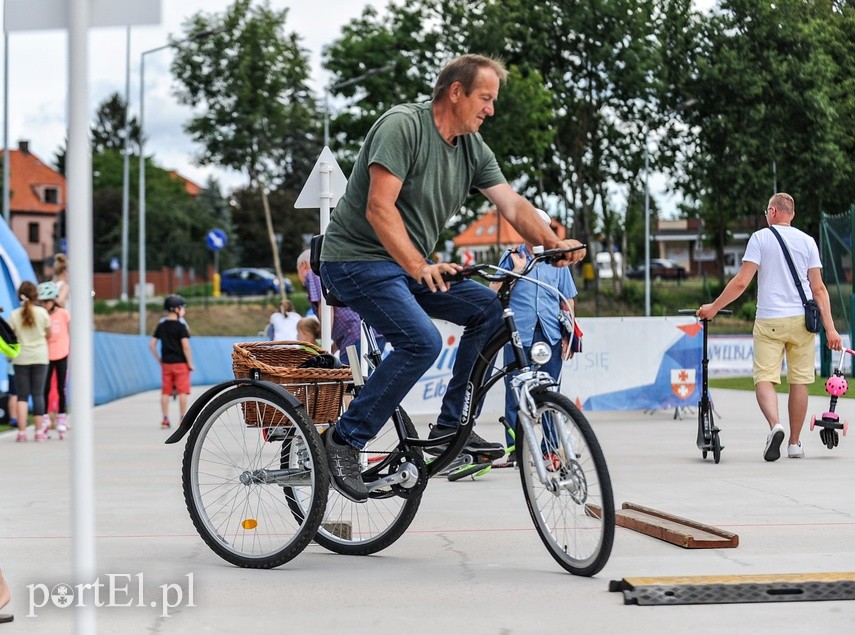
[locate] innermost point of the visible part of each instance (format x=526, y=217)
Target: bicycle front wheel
x=237, y=487
x=573, y=510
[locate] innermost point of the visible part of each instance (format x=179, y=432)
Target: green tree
x=579, y=72
x=108, y=130
x=254, y=113
x=771, y=113
x=175, y=223
x=289, y=225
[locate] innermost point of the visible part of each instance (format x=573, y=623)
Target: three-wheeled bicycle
x=256, y=480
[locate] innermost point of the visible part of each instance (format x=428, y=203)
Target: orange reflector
x=249, y=523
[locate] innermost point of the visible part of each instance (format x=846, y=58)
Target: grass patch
x=816, y=389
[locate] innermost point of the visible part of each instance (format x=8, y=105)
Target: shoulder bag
x=813, y=319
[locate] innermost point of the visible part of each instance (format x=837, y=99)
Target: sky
x=38, y=79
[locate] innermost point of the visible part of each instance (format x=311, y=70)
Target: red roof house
x=486, y=238
x=37, y=197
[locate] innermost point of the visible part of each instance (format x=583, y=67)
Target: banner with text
x=627, y=364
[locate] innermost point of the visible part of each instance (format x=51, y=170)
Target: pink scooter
x=830, y=423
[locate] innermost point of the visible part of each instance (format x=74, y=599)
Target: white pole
x=126, y=169
x=6, y=129
x=326, y=196
x=646, y=229
x=326, y=117
x=79, y=172
x=142, y=263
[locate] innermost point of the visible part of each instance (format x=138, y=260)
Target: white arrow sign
x=312, y=193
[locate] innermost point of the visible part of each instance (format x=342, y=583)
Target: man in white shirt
x=779, y=327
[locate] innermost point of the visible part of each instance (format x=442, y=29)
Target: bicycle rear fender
x=196, y=407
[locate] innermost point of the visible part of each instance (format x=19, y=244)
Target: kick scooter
x=708, y=433
x=836, y=386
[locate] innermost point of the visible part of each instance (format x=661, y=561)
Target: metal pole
x=774, y=177
x=79, y=171
x=646, y=228
x=6, y=211
x=326, y=196
x=141, y=196
x=126, y=170
x=326, y=118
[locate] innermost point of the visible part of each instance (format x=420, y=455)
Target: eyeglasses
x=767, y=210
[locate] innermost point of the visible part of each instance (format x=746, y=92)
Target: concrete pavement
x=471, y=561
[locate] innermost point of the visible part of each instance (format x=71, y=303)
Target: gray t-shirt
x=437, y=177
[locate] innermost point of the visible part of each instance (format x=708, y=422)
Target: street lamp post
x=347, y=82
x=681, y=106
x=142, y=262
x=126, y=169
x=646, y=225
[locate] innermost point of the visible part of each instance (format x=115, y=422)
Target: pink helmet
x=836, y=385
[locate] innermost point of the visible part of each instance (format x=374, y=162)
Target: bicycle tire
x=247, y=522
x=361, y=529
x=474, y=470
x=577, y=526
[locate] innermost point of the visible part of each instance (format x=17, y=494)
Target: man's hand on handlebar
x=431, y=275
x=571, y=257
x=706, y=312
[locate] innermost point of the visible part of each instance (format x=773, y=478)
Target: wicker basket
x=320, y=390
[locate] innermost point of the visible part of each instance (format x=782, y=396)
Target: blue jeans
x=400, y=308
x=552, y=367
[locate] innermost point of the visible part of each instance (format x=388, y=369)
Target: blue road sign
x=216, y=239
x=114, y=264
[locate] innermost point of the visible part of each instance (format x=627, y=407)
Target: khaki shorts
x=775, y=337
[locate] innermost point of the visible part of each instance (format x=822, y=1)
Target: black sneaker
x=474, y=444
x=344, y=468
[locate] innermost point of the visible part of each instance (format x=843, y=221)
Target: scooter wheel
x=716, y=448
x=473, y=470
x=703, y=454
x=812, y=422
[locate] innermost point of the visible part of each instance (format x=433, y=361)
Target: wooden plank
x=679, y=531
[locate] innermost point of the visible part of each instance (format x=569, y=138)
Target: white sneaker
x=796, y=451
x=772, y=452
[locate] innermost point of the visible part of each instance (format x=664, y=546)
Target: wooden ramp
x=682, y=532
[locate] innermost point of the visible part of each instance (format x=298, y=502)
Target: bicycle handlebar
x=694, y=312
x=551, y=255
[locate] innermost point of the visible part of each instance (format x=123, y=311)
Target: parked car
x=660, y=269
x=248, y=281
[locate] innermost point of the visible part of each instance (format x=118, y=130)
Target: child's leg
x=164, y=405
x=22, y=414
x=182, y=405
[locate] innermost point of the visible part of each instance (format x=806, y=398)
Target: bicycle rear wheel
x=359, y=529
x=573, y=510
x=235, y=481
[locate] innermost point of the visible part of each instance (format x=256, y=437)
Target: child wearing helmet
x=175, y=358
x=59, y=341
